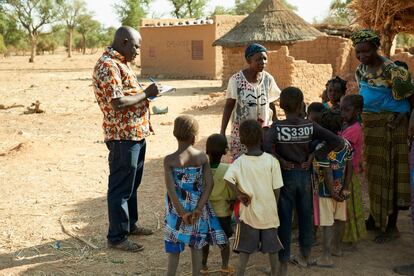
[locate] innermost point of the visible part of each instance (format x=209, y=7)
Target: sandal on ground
x=319, y=263
x=141, y=231
x=127, y=245
x=387, y=236
x=297, y=261
x=227, y=271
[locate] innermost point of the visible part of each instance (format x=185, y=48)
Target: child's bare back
x=189, y=157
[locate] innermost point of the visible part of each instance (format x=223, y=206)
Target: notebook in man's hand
x=165, y=89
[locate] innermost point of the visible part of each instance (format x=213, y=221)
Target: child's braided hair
x=340, y=81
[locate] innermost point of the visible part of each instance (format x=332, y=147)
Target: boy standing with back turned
x=289, y=140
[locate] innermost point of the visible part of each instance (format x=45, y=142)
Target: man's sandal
x=127, y=245
x=141, y=231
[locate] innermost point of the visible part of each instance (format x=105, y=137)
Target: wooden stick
x=73, y=235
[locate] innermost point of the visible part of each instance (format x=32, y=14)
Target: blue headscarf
x=254, y=48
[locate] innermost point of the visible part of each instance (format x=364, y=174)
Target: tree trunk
x=70, y=38
x=387, y=40
x=83, y=44
x=33, y=40
x=387, y=36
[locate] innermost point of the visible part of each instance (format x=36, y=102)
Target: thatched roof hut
x=335, y=29
x=273, y=22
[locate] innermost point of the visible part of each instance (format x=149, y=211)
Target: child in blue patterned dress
x=189, y=219
x=334, y=174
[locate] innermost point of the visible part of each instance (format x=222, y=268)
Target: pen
x=139, y=83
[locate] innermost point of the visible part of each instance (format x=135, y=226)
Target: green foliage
x=71, y=11
x=91, y=34
x=107, y=35
x=248, y=6
x=31, y=15
x=47, y=42
x=3, y=48
x=13, y=36
x=188, y=8
x=87, y=24
x=59, y=33
x=220, y=10
x=405, y=40
x=130, y=12
x=339, y=13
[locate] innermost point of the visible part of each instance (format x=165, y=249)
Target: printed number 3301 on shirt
x=298, y=134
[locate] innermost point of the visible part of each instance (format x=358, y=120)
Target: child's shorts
x=249, y=240
x=225, y=223
x=331, y=210
x=174, y=247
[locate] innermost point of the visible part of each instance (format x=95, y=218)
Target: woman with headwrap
x=385, y=88
x=251, y=94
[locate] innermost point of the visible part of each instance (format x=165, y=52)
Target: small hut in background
x=271, y=24
x=182, y=48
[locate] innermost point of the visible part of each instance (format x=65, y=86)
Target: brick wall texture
x=307, y=64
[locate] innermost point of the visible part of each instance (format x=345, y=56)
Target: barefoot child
x=290, y=140
x=336, y=90
x=189, y=218
x=222, y=198
x=351, y=108
x=256, y=178
x=334, y=176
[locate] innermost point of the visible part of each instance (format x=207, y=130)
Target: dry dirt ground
x=53, y=173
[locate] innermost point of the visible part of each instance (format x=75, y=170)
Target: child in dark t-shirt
x=290, y=141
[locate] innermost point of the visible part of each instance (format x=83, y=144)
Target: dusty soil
x=53, y=172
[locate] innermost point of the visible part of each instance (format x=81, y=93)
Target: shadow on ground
x=88, y=220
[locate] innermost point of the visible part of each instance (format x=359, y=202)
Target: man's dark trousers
x=126, y=165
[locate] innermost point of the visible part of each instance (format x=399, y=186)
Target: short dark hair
x=401, y=63
x=251, y=133
x=316, y=107
x=185, y=127
x=216, y=145
x=357, y=101
x=291, y=98
x=331, y=120
x=340, y=81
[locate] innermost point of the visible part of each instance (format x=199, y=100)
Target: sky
x=309, y=10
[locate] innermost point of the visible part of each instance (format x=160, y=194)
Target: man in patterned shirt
x=125, y=107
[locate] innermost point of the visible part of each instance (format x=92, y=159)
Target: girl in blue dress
x=189, y=219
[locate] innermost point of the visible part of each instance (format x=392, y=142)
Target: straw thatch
x=387, y=17
x=335, y=29
x=270, y=22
